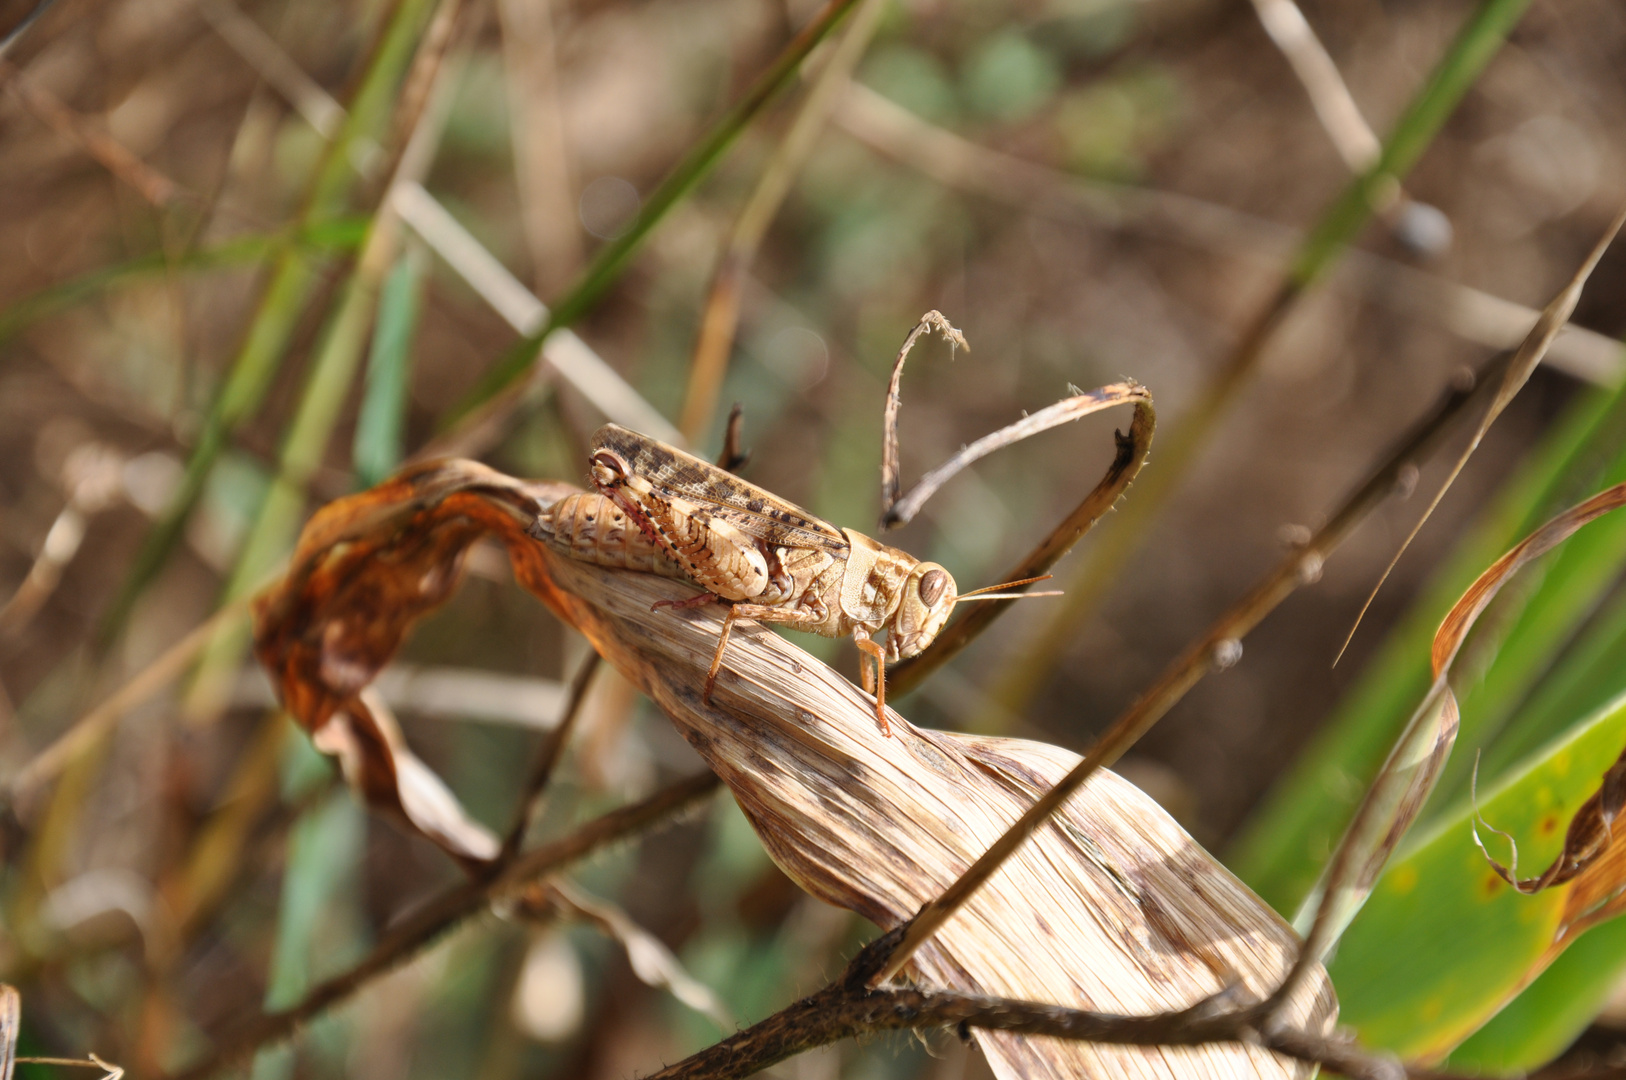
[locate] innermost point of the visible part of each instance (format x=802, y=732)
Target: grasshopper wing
x=726, y=497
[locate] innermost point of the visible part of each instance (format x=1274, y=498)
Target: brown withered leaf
x=1591, y=857
x=1110, y=907
x=367, y=567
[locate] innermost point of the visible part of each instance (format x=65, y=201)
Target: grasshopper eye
x=932, y=584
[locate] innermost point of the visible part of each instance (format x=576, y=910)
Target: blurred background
x=254, y=255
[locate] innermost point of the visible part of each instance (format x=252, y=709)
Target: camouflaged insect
x=661, y=510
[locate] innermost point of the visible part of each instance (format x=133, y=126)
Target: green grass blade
x=697, y=164
x=325, y=239
x=1587, y=675
x=1479, y=40
x=317, y=926
x=1443, y=942
x=379, y=435
x=281, y=306
x=1281, y=849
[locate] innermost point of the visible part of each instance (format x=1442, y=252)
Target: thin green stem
x=697, y=164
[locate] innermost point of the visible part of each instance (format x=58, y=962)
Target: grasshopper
x=768, y=559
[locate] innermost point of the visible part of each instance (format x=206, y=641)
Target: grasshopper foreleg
x=876, y=653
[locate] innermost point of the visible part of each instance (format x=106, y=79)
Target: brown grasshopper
x=770, y=560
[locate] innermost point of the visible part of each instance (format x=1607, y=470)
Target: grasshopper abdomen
x=592, y=528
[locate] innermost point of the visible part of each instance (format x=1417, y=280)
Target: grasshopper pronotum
x=771, y=560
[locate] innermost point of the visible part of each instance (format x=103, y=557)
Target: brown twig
x=1217, y=648
x=432, y=921
x=890, y=483
x=547, y=758
x=90, y=727
x=114, y=156
x=1131, y=454
x=851, y=1006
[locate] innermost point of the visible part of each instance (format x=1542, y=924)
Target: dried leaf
x=367, y=567
x=1590, y=837
x=1407, y=778
x=1110, y=907
x=1531, y=351
x=653, y=963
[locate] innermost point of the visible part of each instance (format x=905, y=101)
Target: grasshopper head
x=609, y=469
x=928, y=598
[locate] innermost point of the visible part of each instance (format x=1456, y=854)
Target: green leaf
x=1585, y=676
x=1543, y=1021
x=1444, y=942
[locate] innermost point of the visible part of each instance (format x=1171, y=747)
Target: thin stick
x=547, y=758
x=114, y=156
x=1062, y=412
x=315, y=105
x=453, y=907
x=147, y=682
x=721, y=315
x=1334, y=105
x=91, y=1061
x=1525, y=361
x=850, y=1007
x=1126, y=463
x=1218, y=647
x=932, y=320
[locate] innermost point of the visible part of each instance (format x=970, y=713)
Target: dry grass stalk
x=1535, y=345
x=114, y=156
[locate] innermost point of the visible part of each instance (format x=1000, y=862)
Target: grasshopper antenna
x=987, y=590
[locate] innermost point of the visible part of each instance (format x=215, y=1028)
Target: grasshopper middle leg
x=798, y=619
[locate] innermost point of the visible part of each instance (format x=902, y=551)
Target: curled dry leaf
x=366, y=569
x=1110, y=907
x=1591, y=858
